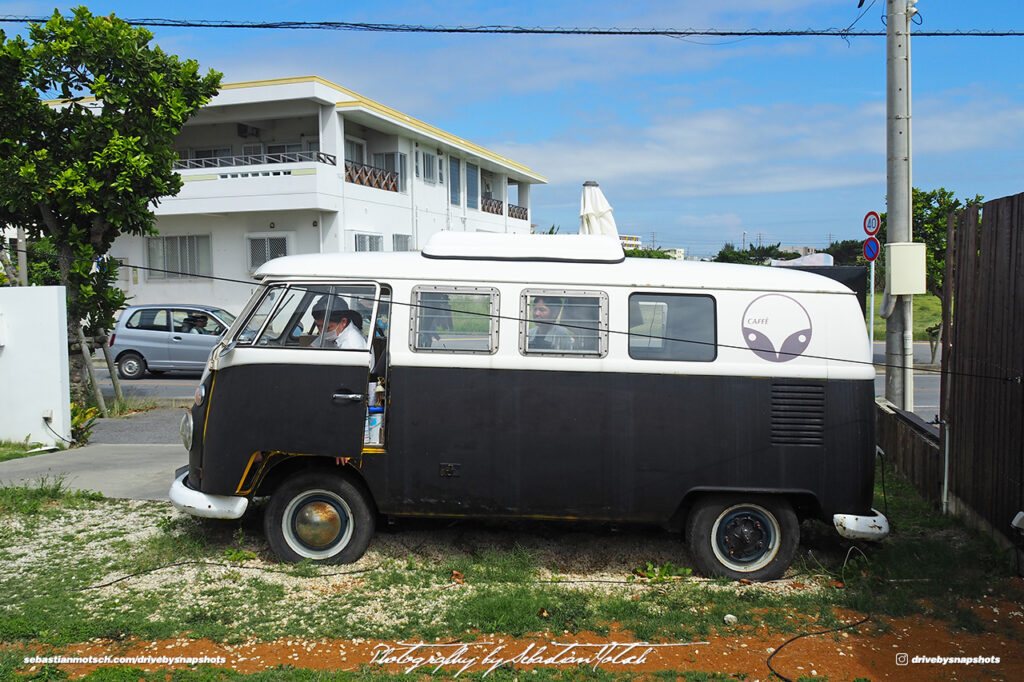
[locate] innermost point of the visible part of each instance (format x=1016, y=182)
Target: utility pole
x=899, y=327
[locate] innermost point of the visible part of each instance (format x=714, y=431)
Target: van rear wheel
x=131, y=366
x=748, y=537
x=322, y=517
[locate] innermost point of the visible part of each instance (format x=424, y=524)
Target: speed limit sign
x=872, y=223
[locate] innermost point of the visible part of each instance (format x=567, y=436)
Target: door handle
x=348, y=396
x=176, y=338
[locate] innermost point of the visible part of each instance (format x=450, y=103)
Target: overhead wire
x=511, y=318
x=502, y=29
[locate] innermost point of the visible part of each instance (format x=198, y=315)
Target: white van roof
x=550, y=260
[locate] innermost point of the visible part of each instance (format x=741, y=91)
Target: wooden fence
x=983, y=361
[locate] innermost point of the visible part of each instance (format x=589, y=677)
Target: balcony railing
x=371, y=176
x=495, y=206
x=256, y=160
x=518, y=212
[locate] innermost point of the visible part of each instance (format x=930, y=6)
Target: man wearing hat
x=340, y=327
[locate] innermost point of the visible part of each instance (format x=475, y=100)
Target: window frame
x=455, y=181
x=665, y=335
x=429, y=171
x=493, y=318
x=289, y=238
x=165, y=273
x=369, y=235
x=602, y=321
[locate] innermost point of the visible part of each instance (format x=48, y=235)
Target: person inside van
x=341, y=328
x=546, y=334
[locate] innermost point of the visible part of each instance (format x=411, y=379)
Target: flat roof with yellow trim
x=358, y=101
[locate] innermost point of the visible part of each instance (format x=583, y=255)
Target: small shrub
x=83, y=420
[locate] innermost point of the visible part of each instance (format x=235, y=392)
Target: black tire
x=321, y=516
x=752, y=537
x=131, y=366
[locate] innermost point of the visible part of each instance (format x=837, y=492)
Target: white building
x=300, y=165
x=630, y=241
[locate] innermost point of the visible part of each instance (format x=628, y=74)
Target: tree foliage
x=752, y=255
x=646, y=253
x=930, y=225
x=88, y=115
x=847, y=252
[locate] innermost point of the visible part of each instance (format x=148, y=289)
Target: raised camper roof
x=560, y=248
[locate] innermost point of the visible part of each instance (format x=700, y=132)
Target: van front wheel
x=324, y=518
x=743, y=537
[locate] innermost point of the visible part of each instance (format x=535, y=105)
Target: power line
x=530, y=30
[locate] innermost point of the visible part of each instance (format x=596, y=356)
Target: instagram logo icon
x=902, y=659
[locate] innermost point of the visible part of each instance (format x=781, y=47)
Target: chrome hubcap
x=318, y=524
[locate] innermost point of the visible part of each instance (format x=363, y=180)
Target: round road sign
x=871, y=248
x=872, y=223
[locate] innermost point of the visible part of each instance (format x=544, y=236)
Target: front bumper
x=200, y=504
x=862, y=527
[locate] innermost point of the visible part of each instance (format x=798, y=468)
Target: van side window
x=303, y=316
x=672, y=327
x=563, y=322
x=454, y=320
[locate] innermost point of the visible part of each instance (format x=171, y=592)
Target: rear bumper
x=862, y=527
x=200, y=504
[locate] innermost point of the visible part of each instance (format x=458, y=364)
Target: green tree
x=931, y=212
x=646, y=253
x=88, y=115
x=847, y=252
x=752, y=255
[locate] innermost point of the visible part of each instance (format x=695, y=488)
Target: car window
x=148, y=319
x=196, y=322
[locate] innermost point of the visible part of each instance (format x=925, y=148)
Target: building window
x=429, y=165
x=355, y=150
x=264, y=247
x=393, y=162
x=672, y=327
x=454, y=181
x=563, y=322
x=472, y=186
x=179, y=257
x=211, y=153
x=454, y=320
x=401, y=242
x=369, y=242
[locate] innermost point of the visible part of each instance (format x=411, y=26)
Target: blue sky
x=695, y=141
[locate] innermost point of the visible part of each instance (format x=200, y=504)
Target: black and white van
x=545, y=377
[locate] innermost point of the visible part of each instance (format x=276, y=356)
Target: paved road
x=133, y=457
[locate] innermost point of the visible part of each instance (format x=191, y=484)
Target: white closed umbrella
x=596, y=213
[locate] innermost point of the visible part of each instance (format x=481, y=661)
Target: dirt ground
x=904, y=649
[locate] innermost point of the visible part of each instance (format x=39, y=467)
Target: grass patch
x=129, y=406
x=59, y=545
x=43, y=493
x=927, y=312
x=11, y=450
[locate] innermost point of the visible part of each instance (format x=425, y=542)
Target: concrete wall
x=34, y=364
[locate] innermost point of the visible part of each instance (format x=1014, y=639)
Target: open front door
x=296, y=380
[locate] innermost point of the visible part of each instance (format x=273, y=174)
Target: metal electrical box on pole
x=899, y=342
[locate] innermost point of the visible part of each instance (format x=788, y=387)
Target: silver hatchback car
x=159, y=338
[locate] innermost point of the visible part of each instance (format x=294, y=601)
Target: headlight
x=200, y=394
x=186, y=430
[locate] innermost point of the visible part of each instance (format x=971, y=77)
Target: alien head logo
x=776, y=328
